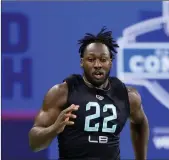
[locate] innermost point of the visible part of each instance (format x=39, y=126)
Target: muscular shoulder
x=56, y=95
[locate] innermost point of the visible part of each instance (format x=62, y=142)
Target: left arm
x=138, y=125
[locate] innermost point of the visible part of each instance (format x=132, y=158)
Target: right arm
x=51, y=120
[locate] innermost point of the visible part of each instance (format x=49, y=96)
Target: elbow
x=34, y=145
x=35, y=149
x=31, y=143
x=140, y=124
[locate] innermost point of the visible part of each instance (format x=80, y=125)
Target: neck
x=103, y=86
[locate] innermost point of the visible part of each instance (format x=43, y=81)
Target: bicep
x=53, y=102
x=45, y=118
x=136, y=109
x=137, y=115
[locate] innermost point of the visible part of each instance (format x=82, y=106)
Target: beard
x=96, y=82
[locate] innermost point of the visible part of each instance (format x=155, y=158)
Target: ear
x=81, y=62
x=111, y=60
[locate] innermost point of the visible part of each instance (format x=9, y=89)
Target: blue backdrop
x=39, y=49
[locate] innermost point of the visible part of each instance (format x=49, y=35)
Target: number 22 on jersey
x=97, y=115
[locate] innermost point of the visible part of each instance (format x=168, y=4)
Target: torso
x=100, y=119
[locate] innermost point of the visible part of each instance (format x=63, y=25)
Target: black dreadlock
x=104, y=37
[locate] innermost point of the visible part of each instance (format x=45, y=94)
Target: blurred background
x=39, y=49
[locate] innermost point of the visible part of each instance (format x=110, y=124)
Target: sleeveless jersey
x=100, y=119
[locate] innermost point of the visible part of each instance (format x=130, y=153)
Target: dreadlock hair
x=103, y=36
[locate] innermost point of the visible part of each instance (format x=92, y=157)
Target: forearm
x=40, y=138
x=140, y=136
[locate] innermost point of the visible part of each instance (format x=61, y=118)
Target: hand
x=63, y=118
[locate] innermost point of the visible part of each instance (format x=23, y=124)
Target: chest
x=98, y=112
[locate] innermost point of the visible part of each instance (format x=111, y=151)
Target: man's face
x=96, y=63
